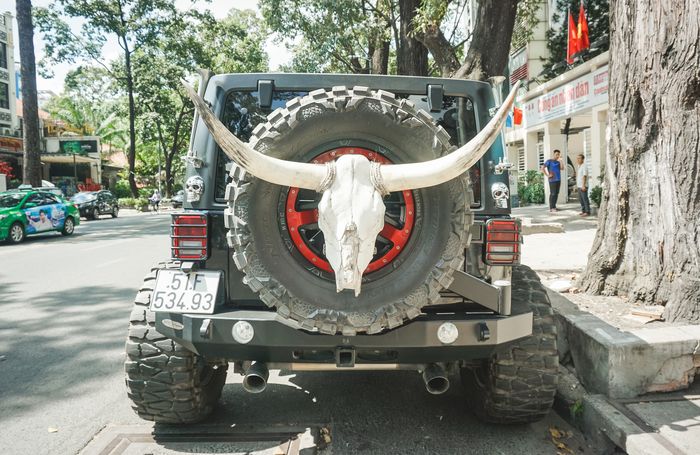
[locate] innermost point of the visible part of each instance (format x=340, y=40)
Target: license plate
x=180, y=292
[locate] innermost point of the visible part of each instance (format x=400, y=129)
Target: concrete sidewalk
x=624, y=388
x=557, y=241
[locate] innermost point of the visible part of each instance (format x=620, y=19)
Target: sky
x=277, y=53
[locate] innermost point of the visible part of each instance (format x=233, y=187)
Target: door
x=41, y=214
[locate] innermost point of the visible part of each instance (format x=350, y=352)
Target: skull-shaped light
x=500, y=194
x=194, y=187
x=351, y=211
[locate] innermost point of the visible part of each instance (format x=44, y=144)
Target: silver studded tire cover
x=314, y=124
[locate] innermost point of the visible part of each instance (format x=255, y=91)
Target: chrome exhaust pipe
x=435, y=378
x=255, y=380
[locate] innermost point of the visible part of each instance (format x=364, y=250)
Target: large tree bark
x=647, y=245
x=411, y=56
x=490, y=46
x=131, y=157
x=31, y=173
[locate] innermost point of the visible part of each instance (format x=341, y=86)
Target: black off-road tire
x=165, y=381
x=324, y=120
x=518, y=384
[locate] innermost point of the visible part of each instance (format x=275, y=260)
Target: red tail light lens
x=188, y=237
x=503, y=239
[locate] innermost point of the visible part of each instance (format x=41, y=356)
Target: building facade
x=568, y=113
x=8, y=116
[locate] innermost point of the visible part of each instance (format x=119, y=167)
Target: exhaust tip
x=435, y=378
x=437, y=386
x=255, y=380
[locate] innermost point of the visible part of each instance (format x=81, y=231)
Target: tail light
x=188, y=237
x=503, y=239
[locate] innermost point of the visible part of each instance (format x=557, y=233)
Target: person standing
x=582, y=177
x=155, y=200
x=552, y=169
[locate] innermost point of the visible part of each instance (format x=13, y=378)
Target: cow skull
x=351, y=210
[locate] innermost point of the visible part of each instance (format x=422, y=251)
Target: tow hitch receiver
x=345, y=357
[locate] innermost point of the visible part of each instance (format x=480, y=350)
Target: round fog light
x=242, y=332
x=447, y=333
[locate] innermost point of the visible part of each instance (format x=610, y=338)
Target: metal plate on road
x=232, y=439
x=180, y=292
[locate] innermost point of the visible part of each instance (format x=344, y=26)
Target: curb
x=621, y=364
x=605, y=424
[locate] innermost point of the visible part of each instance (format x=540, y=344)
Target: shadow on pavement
x=58, y=345
x=368, y=412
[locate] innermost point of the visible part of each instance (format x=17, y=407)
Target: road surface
x=64, y=307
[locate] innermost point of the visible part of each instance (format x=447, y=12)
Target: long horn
x=286, y=173
x=397, y=177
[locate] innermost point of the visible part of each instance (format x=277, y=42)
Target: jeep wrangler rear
x=252, y=279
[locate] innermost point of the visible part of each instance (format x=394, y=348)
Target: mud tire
x=316, y=123
x=518, y=383
x=166, y=382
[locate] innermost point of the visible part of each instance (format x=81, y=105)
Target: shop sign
x=11, y=143
x=77, y=147
x=578, y=95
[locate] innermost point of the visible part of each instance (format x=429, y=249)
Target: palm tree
x=30, y=105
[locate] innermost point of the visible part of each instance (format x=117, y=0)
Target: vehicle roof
x=398, y=84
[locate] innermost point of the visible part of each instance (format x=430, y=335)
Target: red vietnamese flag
x=517, y=115
x=572, y=44
x=583, y=41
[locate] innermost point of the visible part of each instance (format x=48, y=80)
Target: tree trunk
x=490, y=45
x=647, y=245
x=132, y=121
x=174, y=149
x=31, y=173
x=441, y=49
x=380, y=57
x=411, y=56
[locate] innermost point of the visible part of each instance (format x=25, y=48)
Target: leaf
x=555, y=433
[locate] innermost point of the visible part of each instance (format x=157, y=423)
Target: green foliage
x=146, y=192
x=330, y=36
x=121, y=189
x=234, y=44
x=159, y=46
x=140, y=204
x=525, y=22
x=531, y=187
x=596, y=195
x=597, y=17
x=576, y=410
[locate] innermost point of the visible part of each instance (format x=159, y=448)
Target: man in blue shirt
x=552, y=169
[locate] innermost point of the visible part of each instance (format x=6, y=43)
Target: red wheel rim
x=393, y=238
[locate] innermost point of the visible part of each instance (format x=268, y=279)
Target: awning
x=56, y=158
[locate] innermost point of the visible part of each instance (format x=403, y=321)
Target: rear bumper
x=278, y=340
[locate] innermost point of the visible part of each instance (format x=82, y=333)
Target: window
x=521, y=159
x=37, y=199
x=540, y=149
x=4, y=96
x=50, y=199
x=587, y=148
x=3, y=55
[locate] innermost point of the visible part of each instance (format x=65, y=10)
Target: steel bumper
x=278, y=340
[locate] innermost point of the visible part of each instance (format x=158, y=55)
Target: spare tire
x=277, y=243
